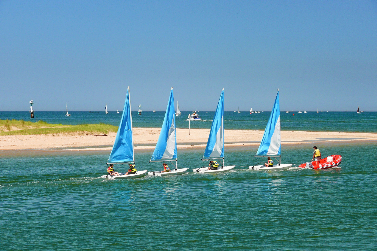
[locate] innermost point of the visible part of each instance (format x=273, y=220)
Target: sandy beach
x=146, y=138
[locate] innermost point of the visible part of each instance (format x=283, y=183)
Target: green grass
x=21, y=127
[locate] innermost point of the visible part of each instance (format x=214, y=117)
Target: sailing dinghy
x=271, y=143
x=123, y=151
x=67, y=114
x=215, y=146
x=178, y=112
x=166, y=149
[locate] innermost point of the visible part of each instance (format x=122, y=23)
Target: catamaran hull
x=172, y=172
x=328, y=162
x=205, y=169
x=275, y=167
x=128, y=176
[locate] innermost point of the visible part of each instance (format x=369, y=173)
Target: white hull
x=275, y=167
x=172, y=172
x=128, y=176
x=205, y=169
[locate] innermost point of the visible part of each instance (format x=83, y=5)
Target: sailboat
x=123, y=151
x=139, y=110
x=215, y=146
x=271, y=143
x=358, y=111
x=67, y=114
x=106, y=109
x=178, y=112
x=166, y=148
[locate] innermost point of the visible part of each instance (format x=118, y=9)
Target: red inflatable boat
x=328, y=162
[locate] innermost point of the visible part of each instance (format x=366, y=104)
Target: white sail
x=178, y=113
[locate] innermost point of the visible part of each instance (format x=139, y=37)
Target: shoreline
x=146, y=138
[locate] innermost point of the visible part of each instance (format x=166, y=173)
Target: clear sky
x=321, y=54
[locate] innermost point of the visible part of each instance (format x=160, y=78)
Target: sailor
x=111, y=171
x=270, y=162
x=132, y=169
x=316, y=154
x=213, y=165
x=166, y=168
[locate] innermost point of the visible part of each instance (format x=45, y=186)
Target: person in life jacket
x=316, y=154
x=270, y=162
x=166, y=168
x=213, y=165
x=111, y=171
x=132, y=169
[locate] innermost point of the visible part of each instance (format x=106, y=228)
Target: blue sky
x=320, y=54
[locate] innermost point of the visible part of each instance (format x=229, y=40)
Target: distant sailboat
x=123, y=150
x=67, y=114
x=215, y=146
x=106, y=109
x=118, y=111
x=166, y=148
x=139, y=110
x=178, y=112
x=271, y=141
x=358, y=111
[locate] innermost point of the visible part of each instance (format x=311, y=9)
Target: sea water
x=311, y=121
x=59, y=202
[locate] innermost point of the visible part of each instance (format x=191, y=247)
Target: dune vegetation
x=21, y=127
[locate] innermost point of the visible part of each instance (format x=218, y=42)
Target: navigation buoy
x=31, y=109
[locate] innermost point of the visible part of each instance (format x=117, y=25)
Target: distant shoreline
x=146, y=138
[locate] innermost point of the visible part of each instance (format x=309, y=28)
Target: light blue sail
x=123, y=150
x=166, y=145
x=271, y=143
x=215, y=145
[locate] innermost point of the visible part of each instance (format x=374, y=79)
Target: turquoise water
x=311, y=121
x=58, y=202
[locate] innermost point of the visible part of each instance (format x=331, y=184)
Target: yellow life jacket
x=215, y=164
x=317, y=153
x=270, y=162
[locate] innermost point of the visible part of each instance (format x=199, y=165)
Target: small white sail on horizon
x=106, y=109
x=67, y=114
x=139, y=110
x=178, y=112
